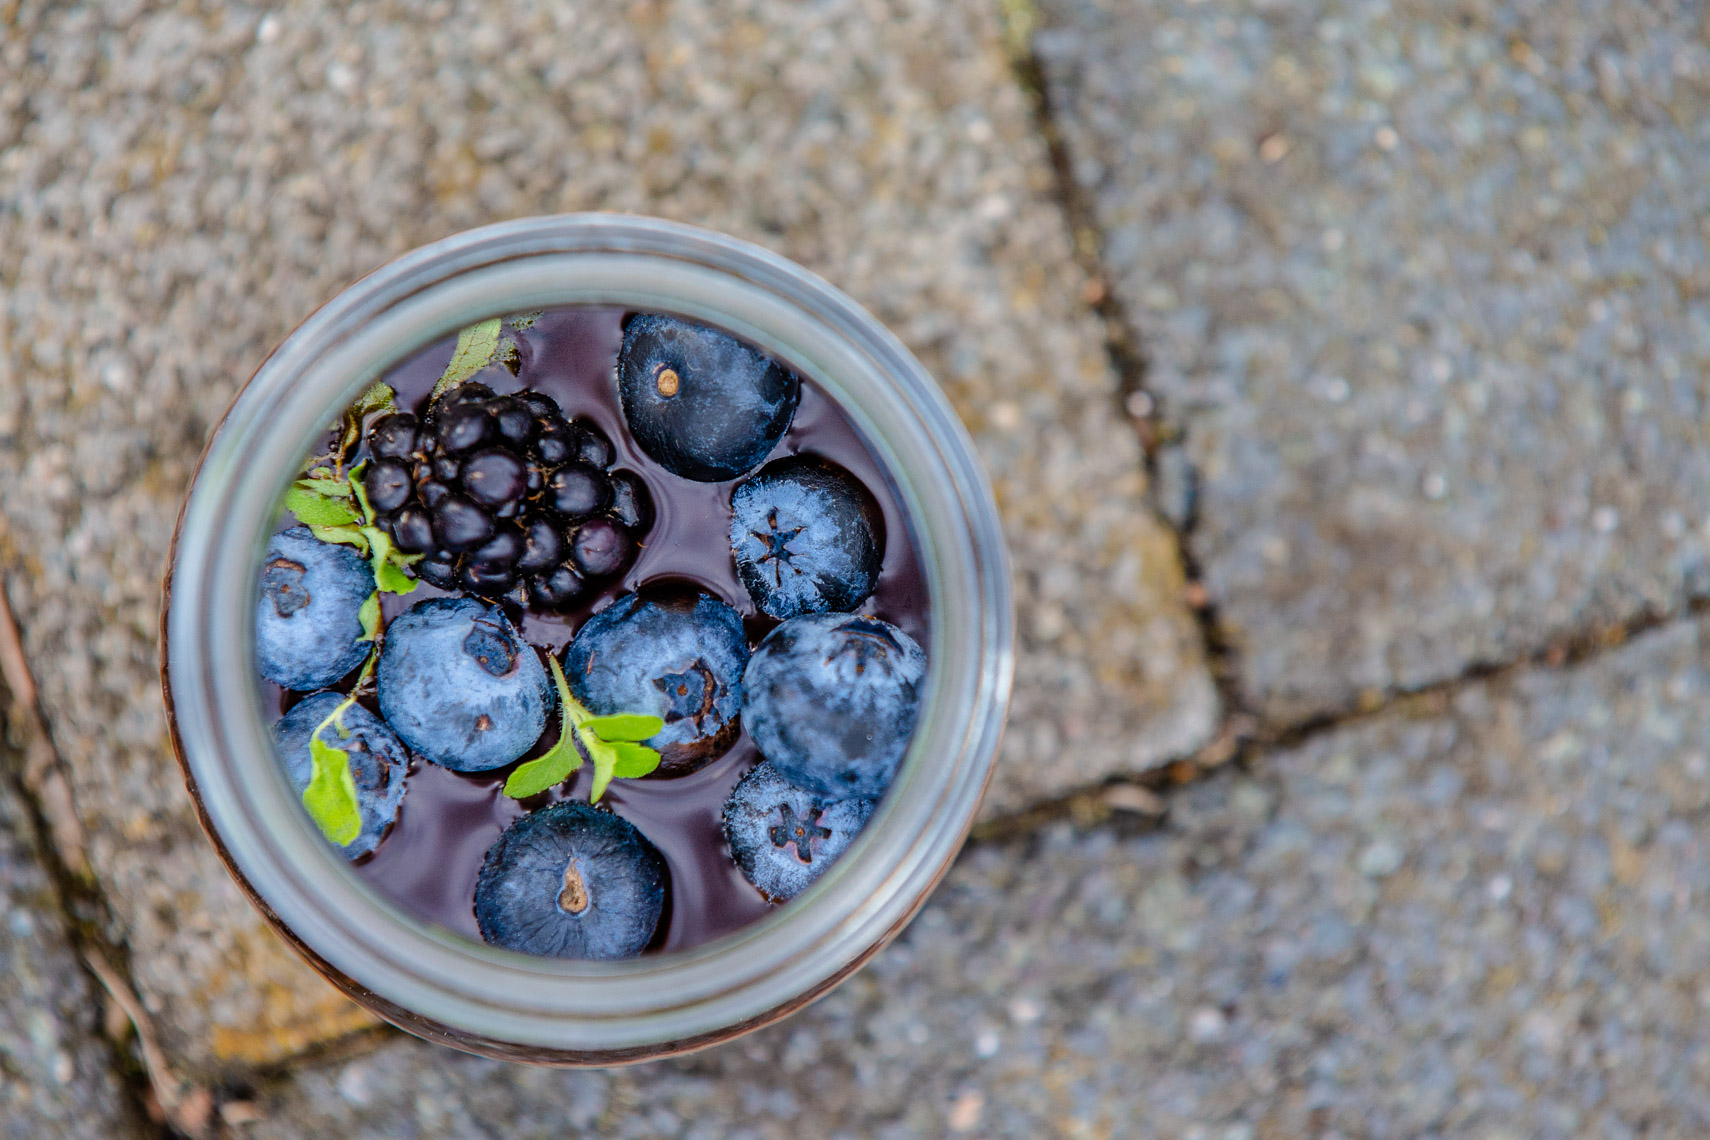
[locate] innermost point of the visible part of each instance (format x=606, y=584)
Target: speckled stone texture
x=1424, y=287
x=1474, y=916
x=56, y=1075
x=180, y=185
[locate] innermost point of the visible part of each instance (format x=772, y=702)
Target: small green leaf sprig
x=331, y=793
x=612, y=743
x=333, y=505
x=479, y=345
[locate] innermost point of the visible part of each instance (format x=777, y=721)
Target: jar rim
x=441, y=984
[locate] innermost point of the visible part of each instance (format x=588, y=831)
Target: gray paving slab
x=1423, y=289
x=1482, y=916
x=179, y=185
x=56, y=1074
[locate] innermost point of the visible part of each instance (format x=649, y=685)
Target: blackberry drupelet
x=505, y=497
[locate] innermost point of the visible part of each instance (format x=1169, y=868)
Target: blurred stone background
x=1340, y=369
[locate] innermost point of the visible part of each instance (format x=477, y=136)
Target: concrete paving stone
x=56, y=1076
x=180, y=184
x=1482, y=915
x=1423, y=287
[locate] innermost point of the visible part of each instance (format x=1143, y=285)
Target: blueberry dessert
x=378, y=762
x=592, y=633
x=675, y=656
x=461, y=688
x=571, y=881
x=503, y=495
x=784, y=836
x=832, y=700
x=308, y=632
x=806, y=538
x=701, y=403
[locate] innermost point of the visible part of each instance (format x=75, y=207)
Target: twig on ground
x=187, y=1108
x=44, y=774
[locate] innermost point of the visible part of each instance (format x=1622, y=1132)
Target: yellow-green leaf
x=314, y=509
x=555, y=767
x=343, y=535
x=361, y=492
x=378, y=397
x=544, y=772
x=633, y=760
x=605, y=760
x=369, y=616
x=626, y=726
x=331, y=794
x=475, y=347
x=319, y=482
x=391, y=579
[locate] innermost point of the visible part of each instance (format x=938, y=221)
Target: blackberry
x=505, y=497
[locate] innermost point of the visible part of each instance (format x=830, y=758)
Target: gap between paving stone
x=1170, y=484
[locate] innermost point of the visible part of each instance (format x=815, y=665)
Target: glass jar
x=484, y=999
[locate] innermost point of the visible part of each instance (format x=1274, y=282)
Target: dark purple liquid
x=429, y=861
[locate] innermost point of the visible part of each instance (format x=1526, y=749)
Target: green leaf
x=391, y=579
x=475, y=347
x=379, y=555
x=331, y=794
x=361, y=492
x=626, y=726
x=555, y=767
x=633, y=760
x=605, y=760
x=369, y=616
x=343, y=535
x=314, y=509
x=378, y=398
x=323, y=484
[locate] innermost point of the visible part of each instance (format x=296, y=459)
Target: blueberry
x=806, y=538
x=571, y=881
x=307, y=632
x=460, y=687
x=832, y=701
x=783, y=836
x=675, y=656
x=700, y=402
x=378, y=762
